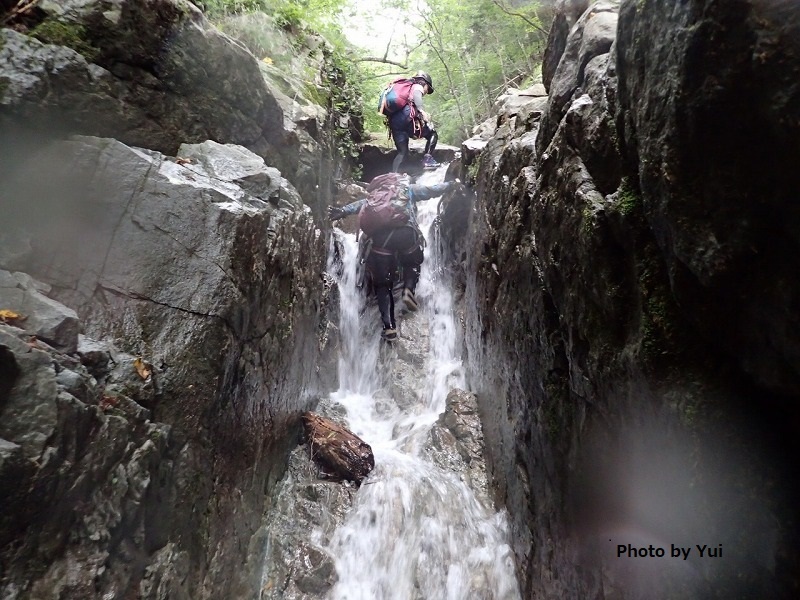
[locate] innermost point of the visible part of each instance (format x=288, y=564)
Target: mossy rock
x=62, y=33
x=629, y=199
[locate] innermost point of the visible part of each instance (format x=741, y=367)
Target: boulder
x=44, y=318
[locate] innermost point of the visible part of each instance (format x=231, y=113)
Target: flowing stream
x=415, y=530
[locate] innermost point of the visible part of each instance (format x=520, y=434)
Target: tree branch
x=499, y=4
x=22, y=7
x=380, y=60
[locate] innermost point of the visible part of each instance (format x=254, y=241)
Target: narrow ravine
x=416, y=529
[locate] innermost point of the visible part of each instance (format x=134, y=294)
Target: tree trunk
x=339, y=453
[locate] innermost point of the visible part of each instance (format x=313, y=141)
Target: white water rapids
x=415, y=531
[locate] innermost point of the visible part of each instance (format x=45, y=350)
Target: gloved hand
x=335, y=213
x=458, y=185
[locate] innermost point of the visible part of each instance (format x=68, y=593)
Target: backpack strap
x=364, y=247
x=410, y=95
x=386, y=241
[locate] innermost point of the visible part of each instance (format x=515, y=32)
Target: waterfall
x=415, y=531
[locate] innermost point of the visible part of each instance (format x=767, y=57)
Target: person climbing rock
x=411, y=121
x=388, y=216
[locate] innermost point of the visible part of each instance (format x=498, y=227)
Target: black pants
x=389, y=248
x=431, y=137
x=401, y=137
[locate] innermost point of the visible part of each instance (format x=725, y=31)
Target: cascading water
x=415, y=530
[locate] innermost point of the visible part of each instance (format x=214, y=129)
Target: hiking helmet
x=426, y=78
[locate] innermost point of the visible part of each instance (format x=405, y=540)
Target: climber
x=395, y=242
x=413, y=122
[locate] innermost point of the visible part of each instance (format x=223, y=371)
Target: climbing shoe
x=409, y=300
x=390, y=335
x=429, y=162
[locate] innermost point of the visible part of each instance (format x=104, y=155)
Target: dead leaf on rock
x=184, y=161
x=142, y=368
x=10, y=317
x=107, y=402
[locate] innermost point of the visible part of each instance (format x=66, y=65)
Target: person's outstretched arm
x=425, y=192
x=340, y=212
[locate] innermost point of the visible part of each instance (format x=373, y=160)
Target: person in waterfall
x=394, y=239
x=413, y=122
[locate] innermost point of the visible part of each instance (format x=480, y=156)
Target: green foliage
x=474, y=51
x=290, y=14
x=71, y=35
x=628, y=199
x=289, y=17
x=289, y=54
x=344, y=106
x=219, y=8
x=371, y=85
x=472, y=172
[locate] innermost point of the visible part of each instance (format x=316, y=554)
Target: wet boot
x=410, y=279
x=429, y=162
x=410, y=300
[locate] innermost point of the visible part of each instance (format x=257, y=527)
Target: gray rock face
x=456, y=442
x=590, y=37
x=86, y=467
x=377, y=159
x=152, y=75
x=620, y=291
x=305, y=512
x=131, y=89
x=48, y=320
x=717, y=136
x=567, y=12
x=139, y=452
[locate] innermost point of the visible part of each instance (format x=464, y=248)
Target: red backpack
x=395, y=96
x=386, y=204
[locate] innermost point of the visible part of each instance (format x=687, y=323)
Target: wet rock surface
x=456, y=442
x=612, y=334
x=628, y=297
x=303, y=514
x=152, y=388
x=717, y=176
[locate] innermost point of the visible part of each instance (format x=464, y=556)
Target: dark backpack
x=386, y=204
x=395, y=96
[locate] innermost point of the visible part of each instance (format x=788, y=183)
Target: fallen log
x=340, y=453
